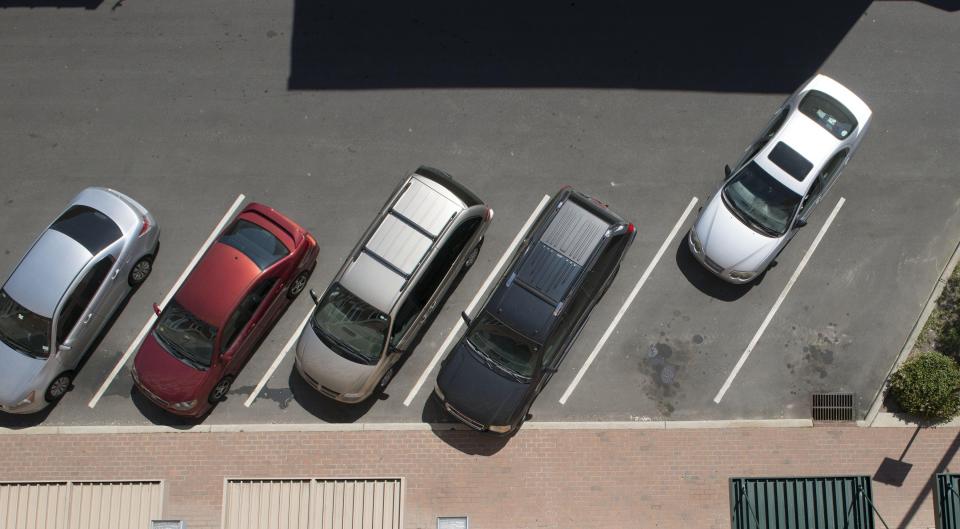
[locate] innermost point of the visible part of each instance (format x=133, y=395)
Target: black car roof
x=532, y=296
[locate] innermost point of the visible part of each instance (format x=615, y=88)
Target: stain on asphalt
x=282, y=396
x=818, y=350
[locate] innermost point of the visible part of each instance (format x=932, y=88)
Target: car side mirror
x=800, y=223
x=466, y=319
x=726, y=172
x=314, y=296
x=550, y=370
x=63, y=348
x=156, y=309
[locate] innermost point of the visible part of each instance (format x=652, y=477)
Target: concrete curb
x=871, y=417
x=412, y=426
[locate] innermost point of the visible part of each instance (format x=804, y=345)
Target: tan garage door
x=313, y=504
x=80, y=504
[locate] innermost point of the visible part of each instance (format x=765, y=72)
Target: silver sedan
x=66, y=289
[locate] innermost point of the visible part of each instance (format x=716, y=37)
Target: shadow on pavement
x=721, y=46
x=86, y=4
x=706, y=282
x=457, y=435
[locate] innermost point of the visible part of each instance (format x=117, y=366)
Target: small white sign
x=453, y=522
x=168, y=524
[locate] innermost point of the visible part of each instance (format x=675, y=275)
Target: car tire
x=472, y=256
x=140, y=271
x=219, y=392
x=298, y=285
x=58, y=387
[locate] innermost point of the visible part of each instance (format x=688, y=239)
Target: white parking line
x=276, y=362
x=776, y=305
x=626, y=304
x=153, y=317
x=494, y=273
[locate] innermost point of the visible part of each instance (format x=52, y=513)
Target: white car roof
x=808, y=138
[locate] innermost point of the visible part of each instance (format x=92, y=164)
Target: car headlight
x=500, y=429
x=28, y=399
x=185, y=405
x=436, y=389
x=743, y=276
x=695, y=241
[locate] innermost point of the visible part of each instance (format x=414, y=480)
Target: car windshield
x=23, y=330
x=828, y=113
x=503, y=346
x=261, y=246
x=350, y=326
x=760, y=201
x=186, y=336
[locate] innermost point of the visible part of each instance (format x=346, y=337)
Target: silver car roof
x=400, y=243
x=45, y=273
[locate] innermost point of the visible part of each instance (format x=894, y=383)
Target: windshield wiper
x=490, y=362
x=341, y=346
x=178, y=351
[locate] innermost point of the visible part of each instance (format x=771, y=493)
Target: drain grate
x=833, y=407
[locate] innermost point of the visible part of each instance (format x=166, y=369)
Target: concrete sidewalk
x=539, y=478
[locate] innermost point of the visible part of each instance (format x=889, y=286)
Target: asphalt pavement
x=186, y=105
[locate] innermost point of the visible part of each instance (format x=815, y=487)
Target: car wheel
x=298, y=284
x=472, y=256
x=140, y=271
x=59, y=387
x=219, y=391
x=387, y=377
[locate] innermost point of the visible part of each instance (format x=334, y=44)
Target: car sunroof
x=792, y=162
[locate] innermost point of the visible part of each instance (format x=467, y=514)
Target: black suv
x=516, y=342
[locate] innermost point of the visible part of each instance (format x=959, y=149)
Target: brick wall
x=539, y=478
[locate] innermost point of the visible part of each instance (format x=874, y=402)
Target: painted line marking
x=280, y=357
x=628, y=302
x=486, y=284
x=776, y=305
x=153, y=317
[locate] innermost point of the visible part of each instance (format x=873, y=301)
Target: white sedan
x=779, y=180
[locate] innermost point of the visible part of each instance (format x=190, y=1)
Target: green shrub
x=928, y=385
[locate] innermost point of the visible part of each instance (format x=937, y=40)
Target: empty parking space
x=186, y=131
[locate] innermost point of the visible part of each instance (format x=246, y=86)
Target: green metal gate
x=833, y=502
x=948, y=501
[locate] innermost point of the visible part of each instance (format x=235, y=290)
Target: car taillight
x=489, y=214
x=144, y=227
x=631, y=228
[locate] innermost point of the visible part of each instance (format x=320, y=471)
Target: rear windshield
x=94, y=230
x=828, y=113
x=261, y=246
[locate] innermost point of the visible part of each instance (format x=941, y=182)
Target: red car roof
x=215, y=286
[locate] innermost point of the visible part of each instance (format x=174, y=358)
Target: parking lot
x=186, y=106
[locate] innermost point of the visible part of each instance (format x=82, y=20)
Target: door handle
x=87, y=319
x=116, y=272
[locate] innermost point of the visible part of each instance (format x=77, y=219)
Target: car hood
x=329, y=369
x=18, y=373
x=729, y=242
x=479, y=392
x=165, y=375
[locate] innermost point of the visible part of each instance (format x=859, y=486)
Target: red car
x=239, y=289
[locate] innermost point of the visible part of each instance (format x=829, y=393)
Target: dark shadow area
x=85, y=4
x=705, y=282
x=720, y=46
x=948, y=456
x=14, y=421
x=460, y=436
x=161, y=417
x=894, y=471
